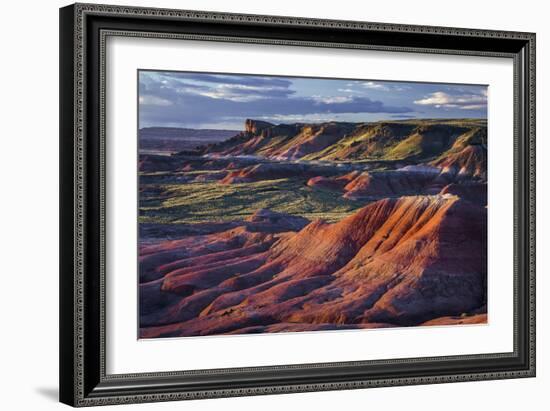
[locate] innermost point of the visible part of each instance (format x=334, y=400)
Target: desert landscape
x=312, y=226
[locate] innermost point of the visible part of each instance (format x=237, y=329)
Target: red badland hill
x=374, y=185
x=396, y=262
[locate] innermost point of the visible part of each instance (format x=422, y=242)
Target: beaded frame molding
x=84, y=29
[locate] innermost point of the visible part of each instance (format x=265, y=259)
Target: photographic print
x=273, y=204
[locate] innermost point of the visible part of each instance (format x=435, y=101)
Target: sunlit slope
x=412, y=140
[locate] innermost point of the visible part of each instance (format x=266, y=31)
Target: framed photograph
x=261, y=204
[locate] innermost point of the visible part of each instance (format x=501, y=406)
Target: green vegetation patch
x=212, y=201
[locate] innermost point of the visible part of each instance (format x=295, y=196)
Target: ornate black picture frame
x=83, y=32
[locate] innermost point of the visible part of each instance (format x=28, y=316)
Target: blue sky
x=224, y=101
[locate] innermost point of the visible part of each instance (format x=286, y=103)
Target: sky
x=225, y=101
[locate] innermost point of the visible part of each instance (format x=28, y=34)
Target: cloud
x=204, y=99
x=473, y=107
x=401, y=88
x=243, y=92
x=235, y=88
x=298, y=118
x=148, y=100
x=258, y=81
x=197, y=109
x=440, y=99
x=332, y=99
x=374, y=85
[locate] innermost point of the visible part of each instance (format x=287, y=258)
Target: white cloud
x=332, y=99
x=239, y=92
x=464, y=102
x=300, y=118
x=375, y=86
x=148, y=100
x=473, y=107
x=347, y=90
